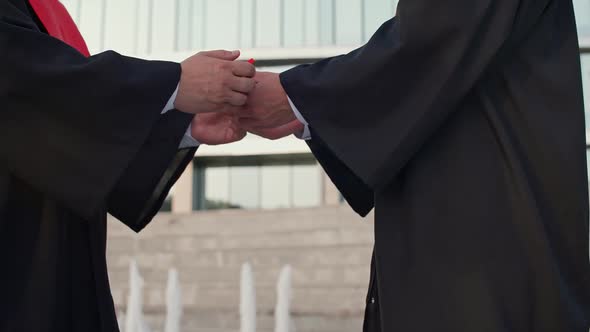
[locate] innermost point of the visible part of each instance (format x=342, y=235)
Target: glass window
x=582, y=9
x=348, y=22
x=183, y=25
x=143, y=39
x=327, y=14
x=244, y=187
x=198, y=23
x=293, y=23
x=222, y=27
x=247, y=24
x=312, y=22
x=163, y=29
x=91, y=18
x=216, y=196
x=257, y=182
x=307, y=186
x=119, y=23
x=275, y=187
x=268, y=23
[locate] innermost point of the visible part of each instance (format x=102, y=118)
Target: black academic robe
x=79, y=137
x=462, y=123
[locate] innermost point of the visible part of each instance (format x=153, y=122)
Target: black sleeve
x=70, y=125
x=375, y=107
x=358, y=195
x=140, y=192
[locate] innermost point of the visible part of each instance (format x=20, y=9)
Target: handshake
x=229, y=99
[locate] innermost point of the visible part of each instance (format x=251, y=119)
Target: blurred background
x=266, y=203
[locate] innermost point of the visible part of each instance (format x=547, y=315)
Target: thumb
x=222, y=54
x=293, y=127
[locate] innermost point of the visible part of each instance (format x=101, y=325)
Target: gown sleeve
x=358, y=195
x=70, y=125
x=375, y=107
x=140, y=192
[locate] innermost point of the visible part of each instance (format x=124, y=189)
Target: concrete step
x=214, y=321
x=343, y=255
x=327, y=301
x=319, y=237
x=265, y=276
x=242, y=222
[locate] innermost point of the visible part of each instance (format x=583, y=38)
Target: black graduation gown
x=462, y=123
x=79, y=137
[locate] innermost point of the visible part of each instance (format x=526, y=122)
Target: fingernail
x=235, y=52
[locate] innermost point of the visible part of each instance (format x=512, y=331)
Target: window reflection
x=183, y=21
x=244, y=187
x=306, y=186
x=327, y=14
x=348, y=22
x=217, y=196
x=259, y=182
x=275, y=186
x=582, y=9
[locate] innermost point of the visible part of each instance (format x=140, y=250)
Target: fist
x=214, y=82
x=268, y=106
x=216, y=128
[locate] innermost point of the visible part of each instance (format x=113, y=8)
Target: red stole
x=59, y=24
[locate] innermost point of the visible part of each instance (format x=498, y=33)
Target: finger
x=231, y=110
x=222, y=54
x=234, y=131
x=243, y=69
x=241, y=84
x=238, y=134
x=293, y=127
x=258, y=123
x=245, y=112
x=236, y=99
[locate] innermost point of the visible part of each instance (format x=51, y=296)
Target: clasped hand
x=229, y=98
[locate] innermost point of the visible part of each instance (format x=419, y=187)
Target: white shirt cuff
x=187, y=140
x=306, y=134
x=170, y=104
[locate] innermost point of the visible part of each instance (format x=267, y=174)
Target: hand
x=216, y=128
x=293, y=127
x=213, y=82
x=267, y=106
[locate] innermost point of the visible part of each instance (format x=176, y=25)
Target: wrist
x=180, y=102
x=285, y=105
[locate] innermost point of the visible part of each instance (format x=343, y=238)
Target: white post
x=134, y=319
x=247, y=300
x=173, y=302
x=284, y=294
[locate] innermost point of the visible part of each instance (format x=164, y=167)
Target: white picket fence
x=134, y=320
